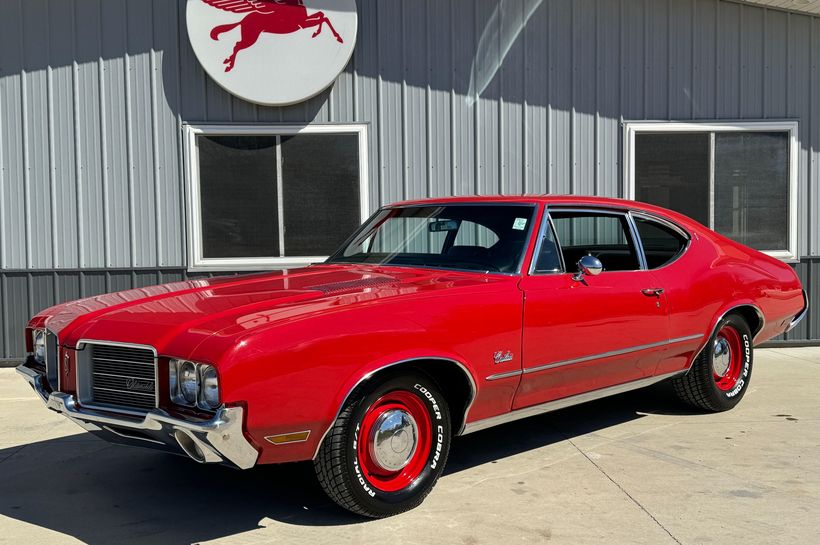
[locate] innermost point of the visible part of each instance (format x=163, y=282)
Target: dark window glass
x=237, y=177
x=605, y=236
x=426, y=236
x=752, y=188
x=672, y=170
x=549, y=258
x=320, y=190
x=240, y=189
x=661, y=244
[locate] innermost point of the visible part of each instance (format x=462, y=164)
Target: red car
x=436, y=318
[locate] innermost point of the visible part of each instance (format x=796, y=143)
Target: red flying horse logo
x=274, y=16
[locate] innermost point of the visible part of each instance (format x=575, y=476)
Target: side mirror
x=589, y=265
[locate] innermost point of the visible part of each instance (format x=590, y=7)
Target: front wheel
x=720, y=375
x=387, y=448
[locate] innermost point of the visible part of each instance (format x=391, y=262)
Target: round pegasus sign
x=273, y=52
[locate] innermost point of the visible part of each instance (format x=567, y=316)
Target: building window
x=273, y=196
x=738, y=178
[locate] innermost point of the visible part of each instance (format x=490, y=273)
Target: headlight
x=39, y=345
x=193, y=384
x=208, y=387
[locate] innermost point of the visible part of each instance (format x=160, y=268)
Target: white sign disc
x=273, y=52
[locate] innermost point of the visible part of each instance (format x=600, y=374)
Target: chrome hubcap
x=721, y=356
x=393, y=439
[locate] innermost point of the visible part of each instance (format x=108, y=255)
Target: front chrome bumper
x=218, y=440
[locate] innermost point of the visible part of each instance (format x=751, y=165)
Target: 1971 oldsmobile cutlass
x=436, y=318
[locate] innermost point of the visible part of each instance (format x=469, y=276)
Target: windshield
x=488, y=238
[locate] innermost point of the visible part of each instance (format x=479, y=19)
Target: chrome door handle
x=652, y=292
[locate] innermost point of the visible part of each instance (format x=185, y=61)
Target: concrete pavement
x=637, y=468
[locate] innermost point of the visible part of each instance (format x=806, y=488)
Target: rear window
x=661, y=244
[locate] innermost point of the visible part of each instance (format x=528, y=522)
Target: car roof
x=561, y=200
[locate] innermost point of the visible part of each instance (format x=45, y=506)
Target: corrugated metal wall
x=463, y=96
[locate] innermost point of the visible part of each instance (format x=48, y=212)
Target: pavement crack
x=11, y=455
x=625, y=492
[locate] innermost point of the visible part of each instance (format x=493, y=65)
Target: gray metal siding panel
x=93, y=94
x=704, y=57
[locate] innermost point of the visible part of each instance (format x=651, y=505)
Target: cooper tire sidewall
x=727, y=399
x=364, y=490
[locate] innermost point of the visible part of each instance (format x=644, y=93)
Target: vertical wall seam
x=152, y=65
x=765, y=66
x=78, y=161
x=52, y=163
x=668, y=59
x=25, y=145
x=427, y=109
x=106, y=206
x=129, y=144
x=379, y=110
x=405, y=166
x=476, y=106
x=524, y=109
x=692, y=22
x=452, y=93
x=573, y=152
x=717, y=58
x=740, y=86
x=621, y=106
x=182, y=160
x=548, y=94
x=596, y=155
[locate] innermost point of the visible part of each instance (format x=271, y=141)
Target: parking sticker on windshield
x=520, y=224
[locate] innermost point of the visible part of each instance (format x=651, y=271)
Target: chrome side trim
x=636, y=240
x=222, y=436
x=796, y=320
x=389, y=365
x=508, y=374
x=610, y=354
x=563, y=403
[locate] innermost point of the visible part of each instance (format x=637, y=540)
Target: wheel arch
x=748, y=311
x=457, y=383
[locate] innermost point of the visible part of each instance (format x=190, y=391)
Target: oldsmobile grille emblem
x=138, y=385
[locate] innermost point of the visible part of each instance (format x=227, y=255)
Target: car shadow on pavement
x=99, y=493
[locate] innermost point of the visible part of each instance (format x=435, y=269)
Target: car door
x=583, y=333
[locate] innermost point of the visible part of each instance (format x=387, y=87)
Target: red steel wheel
x=720, y=373
x=727, y=358
x=394, y=441
x=388, y=445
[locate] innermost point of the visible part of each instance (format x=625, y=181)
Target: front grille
x=123, y=376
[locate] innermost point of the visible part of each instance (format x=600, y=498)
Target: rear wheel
x=720, y=375
x=387, y=448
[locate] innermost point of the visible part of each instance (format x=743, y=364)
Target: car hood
x=186, y=313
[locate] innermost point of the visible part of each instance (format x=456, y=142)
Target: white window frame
x=196, y=259
x=632, y=128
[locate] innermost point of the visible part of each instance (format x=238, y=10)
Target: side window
x=604, y=235
x=473, y=234
x=661, y=244
x=549, y=258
